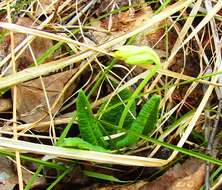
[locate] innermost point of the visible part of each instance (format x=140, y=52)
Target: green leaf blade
x=113, y=115
x=152, y=116
x=88, y=126
x=143, y=124
x=75, y=142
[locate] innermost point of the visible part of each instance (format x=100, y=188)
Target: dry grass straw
x=14, y=90
x=210, y=89
x=31, y=73
x=22, y=146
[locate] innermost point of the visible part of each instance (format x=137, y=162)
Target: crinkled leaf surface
x=79, y=143
x=88, y=125
x=143, y=124
x=115, y=109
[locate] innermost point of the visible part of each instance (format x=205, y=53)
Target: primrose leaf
x=143, y=124
x=75, y=142
x=137, y=55
x=88, y=125
x=115, y=109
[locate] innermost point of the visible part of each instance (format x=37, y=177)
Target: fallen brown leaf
x=38, y=45
x=179, y=177
x=124, y=22
x=107, y=5
x=5, y=104
x=187, y=176
x=192, y=182
x=44, y=7
x=31, y=101
x=121, y=23
x=9, y=179
x=135, y=186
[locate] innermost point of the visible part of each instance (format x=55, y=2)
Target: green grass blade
x=183, y=150
x=66, y=130
x=102, y=77
x=103, y=176
x=58, y=179
x=48, y=53
x=33, y=178
x=164, y=5
x=34, y=160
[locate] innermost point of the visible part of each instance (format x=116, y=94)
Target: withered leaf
x=191, y=182
x=186, y=176
x=44, y=7
x=125, y=22
x=107, y=5
x=32, y=101
x=5, y=104
x=121, y=23
x=179, y=177
x=38, y=45
x=9, y=179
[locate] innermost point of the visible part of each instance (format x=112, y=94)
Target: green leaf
x=79, y=143
x=152, y=109
x=137, y=55
x=115, y=109
x=103, y=176
x=88, y=125
x=143, y=124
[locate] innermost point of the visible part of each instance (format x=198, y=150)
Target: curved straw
x=23, y=146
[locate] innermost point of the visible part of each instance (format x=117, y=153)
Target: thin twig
x=216, y=39
x=210, y=144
